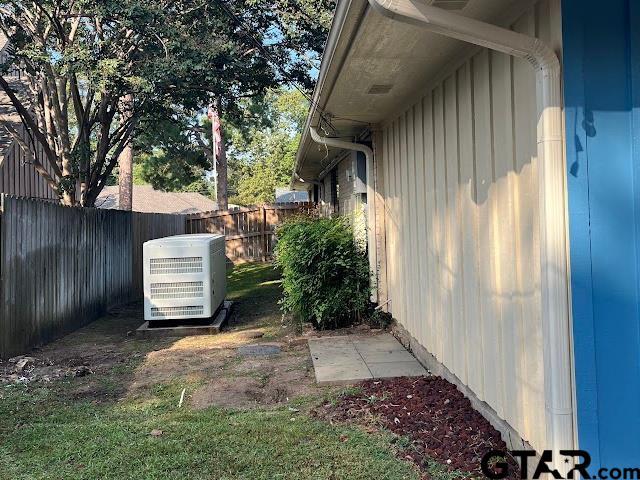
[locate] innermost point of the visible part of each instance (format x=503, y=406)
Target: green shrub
x=380, y=319
x=325, y=274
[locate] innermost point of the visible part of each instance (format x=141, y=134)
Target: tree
x=264, y=156
x=169, y=157
x=263, y=139
x=260, y=179
x=164, y=171
x=80, y=58
x=125, y=165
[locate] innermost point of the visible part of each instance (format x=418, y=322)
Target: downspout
x=371, y=211
x=553, y=223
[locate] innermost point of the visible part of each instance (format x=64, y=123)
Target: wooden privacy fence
x=147, y=226
x=249, y=232
x=62, y=267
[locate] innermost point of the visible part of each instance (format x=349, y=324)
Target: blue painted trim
x=634, y=22
x=602, y=100
x=580, y=238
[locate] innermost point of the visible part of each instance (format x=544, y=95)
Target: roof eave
x=330, y=56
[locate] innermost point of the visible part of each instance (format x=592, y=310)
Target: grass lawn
x=99, y=426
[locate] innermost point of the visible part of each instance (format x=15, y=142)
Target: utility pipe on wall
x=371, y=211
x=552, y=191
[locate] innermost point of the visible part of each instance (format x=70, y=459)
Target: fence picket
x=62, y=267
x=250, y=232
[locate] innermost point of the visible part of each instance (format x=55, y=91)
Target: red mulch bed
x=432, y=413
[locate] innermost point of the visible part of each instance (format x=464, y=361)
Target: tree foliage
x=263, y=157
x=169, y=158
x=81, y=57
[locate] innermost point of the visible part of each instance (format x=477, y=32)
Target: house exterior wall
x=325, y=203
x=346, y=200
x=460, y=187
x=18, y=177
x=602, y=98
x=347, y=203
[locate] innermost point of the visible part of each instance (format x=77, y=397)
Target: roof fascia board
x=330, y=57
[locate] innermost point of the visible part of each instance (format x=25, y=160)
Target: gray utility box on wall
x=184, y=276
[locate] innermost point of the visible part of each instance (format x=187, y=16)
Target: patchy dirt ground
x=103, y=348
x=431, y=413
x=106, y=362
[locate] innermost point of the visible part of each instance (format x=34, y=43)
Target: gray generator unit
x=184, y=277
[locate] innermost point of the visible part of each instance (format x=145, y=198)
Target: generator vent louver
x=177, y=290
x=189, y=311
x=184, y=277
x=164, y=266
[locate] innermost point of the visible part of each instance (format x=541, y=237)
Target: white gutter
x=553, y=200
x=328, y=57
x=371, y=210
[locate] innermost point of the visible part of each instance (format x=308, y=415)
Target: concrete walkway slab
x=396, y=369
x=349, y=359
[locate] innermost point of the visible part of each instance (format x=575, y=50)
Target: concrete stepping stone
x=349, y=359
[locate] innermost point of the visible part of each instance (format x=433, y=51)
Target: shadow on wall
x=478, y=230
x=602, y=97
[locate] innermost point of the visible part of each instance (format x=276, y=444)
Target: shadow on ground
x=103, y=403
x=115, y=365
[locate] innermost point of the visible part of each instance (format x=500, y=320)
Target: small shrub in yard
x=380, y=319
x=325, y=273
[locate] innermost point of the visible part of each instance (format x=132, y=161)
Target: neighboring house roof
x=17, y=174
x=148, y=200
x=284, y=195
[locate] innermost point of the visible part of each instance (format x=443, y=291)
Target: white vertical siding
x=420, y=261
x=442, y=320
x=461, y=213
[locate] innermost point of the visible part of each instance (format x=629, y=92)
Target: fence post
x=265, y=242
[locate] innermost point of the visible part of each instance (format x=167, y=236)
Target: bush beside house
x=325, y=273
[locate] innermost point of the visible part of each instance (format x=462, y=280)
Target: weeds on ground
x=44, y=437
x=49, y=431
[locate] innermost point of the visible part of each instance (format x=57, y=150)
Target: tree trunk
x=69, y=182
x=125, y=164
x=223, y=200
x=68, y=198
x=125, y=179
x=219, y=153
